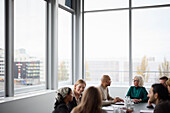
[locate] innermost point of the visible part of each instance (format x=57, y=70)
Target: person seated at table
x=168, y=85
x=162, y=81
x=158, y=94
x=63, y=97
x=77, y=94
x=91, y=102
x=107, y=99
x=137, y=92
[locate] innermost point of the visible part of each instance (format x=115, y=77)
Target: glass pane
x=29, y=43
x=151, y=38
x=64, y=47
x=67, y=3
x=1, y=47
x=104, y=4
x=106, y=46
x=136, y=3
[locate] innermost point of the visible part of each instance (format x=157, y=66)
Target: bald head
x=105, y=77
x=105, y=81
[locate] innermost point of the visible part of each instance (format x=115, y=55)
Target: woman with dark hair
x=91, y=102
x=63, y=97
x=79, y=87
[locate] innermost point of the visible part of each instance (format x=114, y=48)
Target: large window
x=2, y=47
x=106, y=46
x=64, y=47
x=150, y=45
x=29, y=43
x=111, y=38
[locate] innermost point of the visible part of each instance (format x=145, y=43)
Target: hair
x=80, y=81
x=61, y=94
x=161, y=90
x=168, y=82
x=163, y=78
x=91, y=102
x=140, y=78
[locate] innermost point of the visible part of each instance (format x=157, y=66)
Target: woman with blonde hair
x=137, y=92
x=91, y=102
x=77, y=94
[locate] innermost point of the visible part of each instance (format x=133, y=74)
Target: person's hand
x=136, y=100
x=149, y=103
x=120, y=100
x=117, y=99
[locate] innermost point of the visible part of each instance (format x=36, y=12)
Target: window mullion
x=9, y=48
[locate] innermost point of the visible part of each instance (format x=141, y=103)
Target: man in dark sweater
x=158, y=94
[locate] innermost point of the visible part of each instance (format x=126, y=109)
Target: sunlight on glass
x=106, y=46
x=29, y=43
x=104, y=4
x=136, y=3
x=2, y=65
x=150, y=48
x=64, y=46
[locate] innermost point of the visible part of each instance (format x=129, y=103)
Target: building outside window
x=2, y=70
x=29, y=43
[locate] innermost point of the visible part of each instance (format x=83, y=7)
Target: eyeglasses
x=135, y=80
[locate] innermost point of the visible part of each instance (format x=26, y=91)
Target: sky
x=1, y=24
x=106, y=33
x=29, y=26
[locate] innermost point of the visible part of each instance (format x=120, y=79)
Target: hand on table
x=117, y=99
x=136, y=100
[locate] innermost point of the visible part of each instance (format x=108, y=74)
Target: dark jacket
x=72, y=104
x=163, y=106
x=61, y=108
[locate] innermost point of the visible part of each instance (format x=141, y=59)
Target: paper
x=119, y=103
x=146, y=111
x=108, y=108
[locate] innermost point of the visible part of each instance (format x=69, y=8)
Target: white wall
x=37, y=104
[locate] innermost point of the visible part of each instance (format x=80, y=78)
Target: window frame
x=130, y=9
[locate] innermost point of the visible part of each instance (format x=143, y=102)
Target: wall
x=37, y=104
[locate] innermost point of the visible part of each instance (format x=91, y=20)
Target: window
x=151, y=57
x=104, y=4
x=67, y=3
x=29, y=43
x=2, y=47
x=136, y=3
x=106, y=46
x=64, y=47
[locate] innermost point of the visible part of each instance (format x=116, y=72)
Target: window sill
x=25, y=95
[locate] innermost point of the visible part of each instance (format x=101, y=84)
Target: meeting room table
x=137, y=108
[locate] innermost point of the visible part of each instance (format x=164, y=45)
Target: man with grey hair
x=106, y=98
